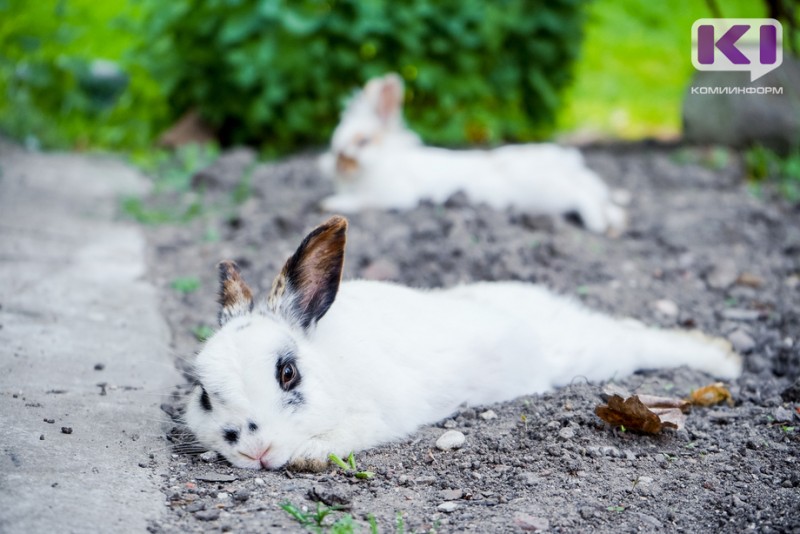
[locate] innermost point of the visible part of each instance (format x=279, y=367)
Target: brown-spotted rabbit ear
x=308, y=282
x=385, y=96
x=235, y=298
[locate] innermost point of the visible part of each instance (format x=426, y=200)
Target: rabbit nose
x=262, y=458
x=345, y=164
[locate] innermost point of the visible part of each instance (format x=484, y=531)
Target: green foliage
x=350, y=466
x=173, y=200
x=635, y=65
x=764, y=165
x=186, y=284
x=315, y=521
x=202, y=332
x=275, y=73
x=65, y=80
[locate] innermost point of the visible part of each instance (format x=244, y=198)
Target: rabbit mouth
x=345, y=165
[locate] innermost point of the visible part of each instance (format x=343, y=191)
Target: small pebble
x=447, y=507
x=258, y=481
x=66, y=430
x=196, y=506
x=451, y=494
x=666, y=307
x=531, y=523
x=566, y=433
x=741, y=341
x=488, y=415
x=207, y=515
x=452, y=439
x=722, y=276
x=41, y=437
x=99, y=366
x=51, y=421
x=209, y=456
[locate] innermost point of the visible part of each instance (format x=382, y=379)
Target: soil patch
x=701, y=251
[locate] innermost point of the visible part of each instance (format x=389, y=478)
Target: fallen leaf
x=750, y=280
x=632, y=413
x=654, y=401
x=710, y=395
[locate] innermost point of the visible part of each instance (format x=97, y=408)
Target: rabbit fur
x=375, y=161
x=297, y=375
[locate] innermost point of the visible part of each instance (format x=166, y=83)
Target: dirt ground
x=701, y=251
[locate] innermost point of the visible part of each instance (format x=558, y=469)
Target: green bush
x=65, y=79
x=275, y=73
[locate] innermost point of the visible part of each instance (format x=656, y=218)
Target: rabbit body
x=385, y=359
x=376, y=162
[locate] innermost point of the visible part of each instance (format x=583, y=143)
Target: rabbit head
x=257, y=399
x=372, y=120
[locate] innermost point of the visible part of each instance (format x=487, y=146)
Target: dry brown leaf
x=654, y=401
x=710, y=395
x=632, y=413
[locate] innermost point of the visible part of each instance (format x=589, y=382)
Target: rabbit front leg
x=343, y=203
x=313, y=454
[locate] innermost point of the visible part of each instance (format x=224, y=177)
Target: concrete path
x=76, y=311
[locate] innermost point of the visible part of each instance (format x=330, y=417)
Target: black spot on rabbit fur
x=205, y=402
x=231, y=435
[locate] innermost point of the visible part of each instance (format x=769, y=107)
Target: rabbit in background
x=320, y=367
x=377, y=162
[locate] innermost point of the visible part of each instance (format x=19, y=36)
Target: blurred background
x=128, y=75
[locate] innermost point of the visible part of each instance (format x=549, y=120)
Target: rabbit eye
x=287, y=374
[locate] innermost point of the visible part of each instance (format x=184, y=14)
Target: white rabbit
x=294, y=377
x=377, y=162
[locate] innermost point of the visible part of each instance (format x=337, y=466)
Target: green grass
x=316, y=521
x=636, y=65
x=782, y=171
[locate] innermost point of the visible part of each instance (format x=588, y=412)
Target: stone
x=215, y=477
x=207, y=515
x=452, y=439
x=451, y=494
x=447, y=507
x=723, y=275
x=381, y=269
x=741, y=341
x=488, y=415
x=666, y=307
x=566, y=433
x=331, y=496
x=531, y=523
x=739, y=314
x=209, y=456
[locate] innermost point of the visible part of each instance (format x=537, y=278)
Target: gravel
x=546, y=462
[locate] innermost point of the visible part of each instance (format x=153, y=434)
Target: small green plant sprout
x=622, y=428
x=202, y=332
x=788, y=429
x=350, y=466
x=616, y=508
x=315, y=521
x=524, y=419
x=186, y=284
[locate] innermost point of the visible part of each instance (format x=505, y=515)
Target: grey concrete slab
x=73, y=297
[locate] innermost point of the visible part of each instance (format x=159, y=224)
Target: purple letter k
x=726, y=44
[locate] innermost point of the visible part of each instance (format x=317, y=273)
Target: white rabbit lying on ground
x=377, y=162
x=294, y=376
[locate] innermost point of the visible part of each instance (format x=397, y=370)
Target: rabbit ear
x=385, y=96
x=308, y=282
x=234, y=296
